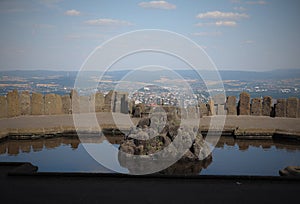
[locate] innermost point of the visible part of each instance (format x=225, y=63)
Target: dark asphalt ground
x=97, y=188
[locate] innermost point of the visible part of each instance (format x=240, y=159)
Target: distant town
x=258, y=84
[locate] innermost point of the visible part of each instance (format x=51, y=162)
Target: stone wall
x=24, y=103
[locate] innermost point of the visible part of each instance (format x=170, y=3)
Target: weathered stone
x=144, y=122
x=256, y=107
x=231, y=105
x=267, y=106
x=131, y=107
x=280, y=108
x=137, y=112
x=211, y=107
x=291, y=107
x=99, y=102
x=66, y=104
x=109, y=101
x=3, y=107
x=25, y=103
x=192, y=112
x=13, y=108
x=221, y=109
x=244, y=104
x=75, y=101
x=53, y=104
x=37, y=104
x=84, y=104
x=203, y=109
x=298, y=109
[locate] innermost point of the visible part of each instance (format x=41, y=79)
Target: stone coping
x=242, y=127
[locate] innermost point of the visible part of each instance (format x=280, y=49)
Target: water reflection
x=238, y=157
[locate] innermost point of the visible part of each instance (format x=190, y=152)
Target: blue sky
x=237, y=34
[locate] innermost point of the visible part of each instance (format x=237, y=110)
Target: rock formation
x=161, y=138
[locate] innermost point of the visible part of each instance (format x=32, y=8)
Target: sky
x=256, y=35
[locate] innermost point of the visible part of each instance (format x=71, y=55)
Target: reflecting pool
x=230, y=156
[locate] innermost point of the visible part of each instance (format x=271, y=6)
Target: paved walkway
x=61, y=123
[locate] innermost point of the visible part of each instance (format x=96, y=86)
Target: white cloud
x=226, y=23
x=202, y=34
x=239, y=8
x=218, y=23
x=157, y=5
x=108, y=22
x=222, y=15
x=256, y=2
x=72, y=12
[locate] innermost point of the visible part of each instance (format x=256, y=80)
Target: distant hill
x=70, y=76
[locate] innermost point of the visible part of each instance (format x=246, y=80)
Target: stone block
x=75, y=101
x=298, y=109
x=109, y=101
x=13, y=107
x=210, y=107
x=66, y=104
x=231, y=105
x=203, y=109
x=99, y=102
x=3, y=107
x=280, y=108
x=84, y=104
x=292, y=107
x=267, y=106
x=244, y=104
x=25, y=103
x=37, y=104
x=256, y=107
x=53, y=104
x=221, y=109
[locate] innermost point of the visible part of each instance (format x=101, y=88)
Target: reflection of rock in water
x=158, y=142
x=187, y=168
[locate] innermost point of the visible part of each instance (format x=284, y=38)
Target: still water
x=230, y=157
